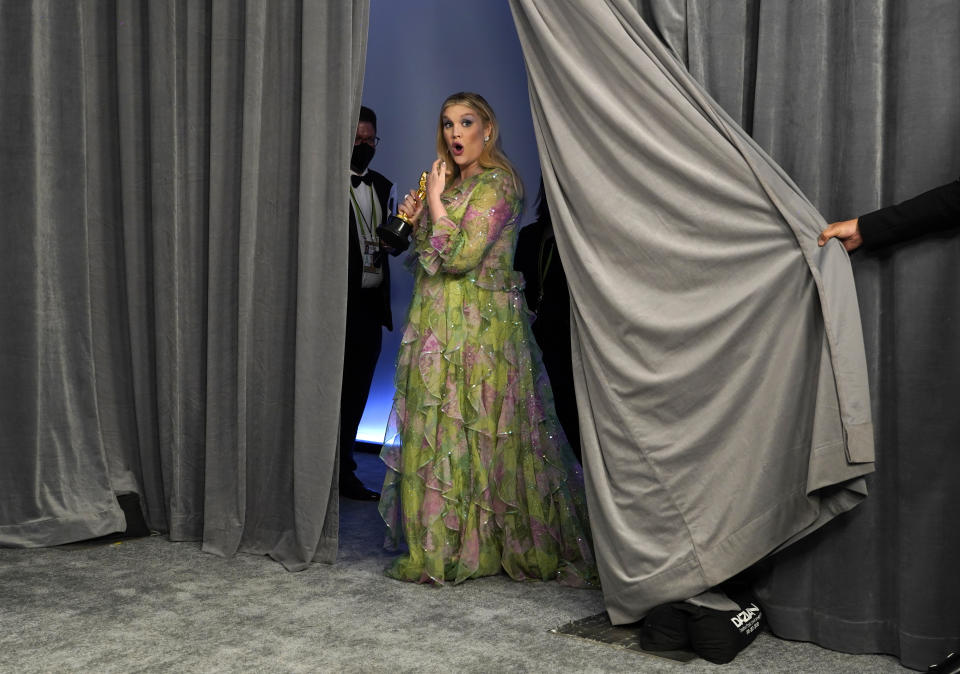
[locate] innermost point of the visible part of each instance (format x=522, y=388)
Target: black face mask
x=360, y=159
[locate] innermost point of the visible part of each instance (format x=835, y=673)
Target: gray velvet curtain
x=718, y=356
x=171, y=282
x=859, y=101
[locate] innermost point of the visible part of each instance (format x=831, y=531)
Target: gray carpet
x=149, y=605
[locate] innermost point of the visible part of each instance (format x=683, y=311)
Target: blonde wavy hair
x=492, y=155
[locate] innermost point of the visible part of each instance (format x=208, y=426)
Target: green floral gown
x=480, y=476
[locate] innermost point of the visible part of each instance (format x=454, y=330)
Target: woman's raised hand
x=436, y=183
x=436, y=180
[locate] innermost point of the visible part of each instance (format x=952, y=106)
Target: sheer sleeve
x=457, y=247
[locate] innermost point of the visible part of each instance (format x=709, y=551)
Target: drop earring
x=486, y=139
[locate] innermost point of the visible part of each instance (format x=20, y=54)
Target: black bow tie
x=355, y=180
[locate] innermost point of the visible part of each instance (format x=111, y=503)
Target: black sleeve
x=933, y=211
x=526, y=258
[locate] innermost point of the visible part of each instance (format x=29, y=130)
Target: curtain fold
x=717, y=348
x=322, y=251
x=175, y=285
x=859, y=101
x=54, y=476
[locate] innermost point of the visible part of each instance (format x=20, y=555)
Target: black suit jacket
x=382, y=188
x=933, y=211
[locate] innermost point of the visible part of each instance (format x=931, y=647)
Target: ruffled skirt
x=480, y=476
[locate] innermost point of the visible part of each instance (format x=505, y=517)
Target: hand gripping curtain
x=718, y=354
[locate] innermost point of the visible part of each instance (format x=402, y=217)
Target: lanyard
x=367, y=227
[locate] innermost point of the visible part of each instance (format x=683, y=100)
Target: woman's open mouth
x=456, y=149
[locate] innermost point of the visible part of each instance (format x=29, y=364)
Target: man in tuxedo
x=372, y=200
x=933, y=211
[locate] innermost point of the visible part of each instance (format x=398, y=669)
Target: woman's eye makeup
x=465, y=122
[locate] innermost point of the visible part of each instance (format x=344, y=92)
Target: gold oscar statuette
x=395, y=232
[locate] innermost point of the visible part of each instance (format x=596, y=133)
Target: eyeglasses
x=372, y=142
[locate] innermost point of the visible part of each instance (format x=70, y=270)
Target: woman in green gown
x=480, y=476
